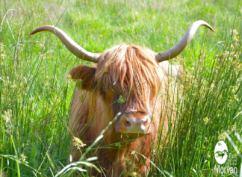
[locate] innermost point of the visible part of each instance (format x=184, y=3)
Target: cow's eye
x=121, y=99
x=143, y=112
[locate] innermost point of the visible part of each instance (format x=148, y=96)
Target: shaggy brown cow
x=129, y=80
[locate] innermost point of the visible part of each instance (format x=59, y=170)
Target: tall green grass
x=35, y=99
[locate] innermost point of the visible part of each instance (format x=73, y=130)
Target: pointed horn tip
x=207, y=25
x=34, y=32
x=211, y=28
x=42, y=28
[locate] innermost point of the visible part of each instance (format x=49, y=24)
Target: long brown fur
x=133, y=72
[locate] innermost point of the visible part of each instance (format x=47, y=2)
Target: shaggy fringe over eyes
x=131, y=71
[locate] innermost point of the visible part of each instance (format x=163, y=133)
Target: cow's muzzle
x=133, y=123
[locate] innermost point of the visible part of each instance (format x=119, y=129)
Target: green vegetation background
x=35, y=98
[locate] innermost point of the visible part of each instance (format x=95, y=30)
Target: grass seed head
x=78, y=143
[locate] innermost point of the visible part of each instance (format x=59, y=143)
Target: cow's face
x=128, y=78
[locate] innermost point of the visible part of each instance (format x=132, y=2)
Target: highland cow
x=130, y=83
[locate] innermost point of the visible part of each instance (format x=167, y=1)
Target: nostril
x=127, y=123
x=145, y=122
x=145, y=125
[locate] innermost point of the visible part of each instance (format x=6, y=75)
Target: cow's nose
x=134, y=125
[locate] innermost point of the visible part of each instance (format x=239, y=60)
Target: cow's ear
x=84, y=73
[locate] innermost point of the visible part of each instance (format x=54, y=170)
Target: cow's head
x=126, y=77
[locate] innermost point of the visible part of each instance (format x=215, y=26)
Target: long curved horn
x=181, y=45
x=69, y=43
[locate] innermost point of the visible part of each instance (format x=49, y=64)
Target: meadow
x=35, y=97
